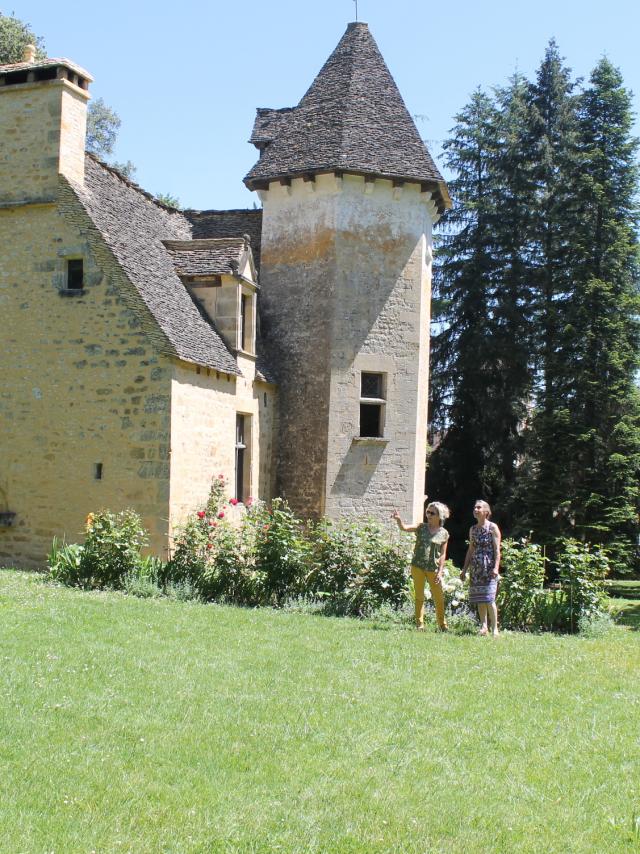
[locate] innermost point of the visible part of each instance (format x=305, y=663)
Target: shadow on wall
x=357, y=469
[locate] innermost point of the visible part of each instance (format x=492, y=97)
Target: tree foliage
x=15, y=35
x=103, y=123
x=534, y=395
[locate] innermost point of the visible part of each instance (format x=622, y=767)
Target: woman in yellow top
x=429, y=555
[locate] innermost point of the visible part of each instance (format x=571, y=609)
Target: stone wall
x=297, y=275
x=82, y=385
x=346, y=288
x=42, y=133
x=204, y=405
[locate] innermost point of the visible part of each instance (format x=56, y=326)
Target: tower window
x=372, y=405
x=75, y=274
x=97, y=471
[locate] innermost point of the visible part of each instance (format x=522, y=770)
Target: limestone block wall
x=81, y=385
x=297, y=275
x=381, y=325
x=345, y=288
x=42, y=133
x=204, y=405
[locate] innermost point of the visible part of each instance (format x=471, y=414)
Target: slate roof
x=50, y=62
x=267, y=124
x=217, y=257
x=352, y=119
x=232, y=223
x=134, y=226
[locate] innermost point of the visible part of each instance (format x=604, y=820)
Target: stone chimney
x=43, y=126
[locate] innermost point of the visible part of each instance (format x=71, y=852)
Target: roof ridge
x=132, y=184
x=352, y=74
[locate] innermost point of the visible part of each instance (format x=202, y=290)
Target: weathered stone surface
x=345, y=289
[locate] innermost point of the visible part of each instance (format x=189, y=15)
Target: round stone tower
x=350, y=194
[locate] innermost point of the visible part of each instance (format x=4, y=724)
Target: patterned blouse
x=428, y=548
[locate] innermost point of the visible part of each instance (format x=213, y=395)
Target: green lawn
x=139, y=726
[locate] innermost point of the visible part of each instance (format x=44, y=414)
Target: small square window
x=372, y=405
x=75, y=274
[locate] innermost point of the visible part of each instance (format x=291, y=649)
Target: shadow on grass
x=629, y=615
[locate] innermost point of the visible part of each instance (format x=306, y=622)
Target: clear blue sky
x=186, y=78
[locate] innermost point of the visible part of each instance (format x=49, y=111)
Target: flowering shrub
x=111, y=549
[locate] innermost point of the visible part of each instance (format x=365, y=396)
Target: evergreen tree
x=461, y=350
x=550, y=148
x=514, y=303
x=604, y=407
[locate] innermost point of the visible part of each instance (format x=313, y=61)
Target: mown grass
x=626, y=612
x=153, y=726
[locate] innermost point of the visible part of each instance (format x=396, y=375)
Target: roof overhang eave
x=437, y=188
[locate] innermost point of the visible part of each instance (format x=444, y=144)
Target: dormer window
x=220, y=275
x=246, y=326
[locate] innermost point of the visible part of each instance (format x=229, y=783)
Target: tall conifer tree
x=604, y=411
x=462, y=349
x=550, y=147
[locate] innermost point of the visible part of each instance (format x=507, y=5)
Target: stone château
x=147, y=350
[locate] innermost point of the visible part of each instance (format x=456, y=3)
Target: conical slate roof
x=352, y=119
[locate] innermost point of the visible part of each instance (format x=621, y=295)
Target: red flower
x=221, y=514
x=265, y=527
x=209, y=546
x=248, y=502
x=233, y=502
x=201, y=514
x=221, y=476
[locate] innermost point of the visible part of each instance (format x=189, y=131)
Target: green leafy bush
x=111, y=550
x=582, y=570
x=522, y=570
x=281, y=550
x=356, y=568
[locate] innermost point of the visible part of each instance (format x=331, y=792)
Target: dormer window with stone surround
x=220, y=275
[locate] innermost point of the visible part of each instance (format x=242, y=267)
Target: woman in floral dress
x=483, y=560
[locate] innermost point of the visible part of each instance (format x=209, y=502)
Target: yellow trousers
x=419, y=577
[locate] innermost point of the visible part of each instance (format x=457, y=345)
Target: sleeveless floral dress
x=483, y=584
